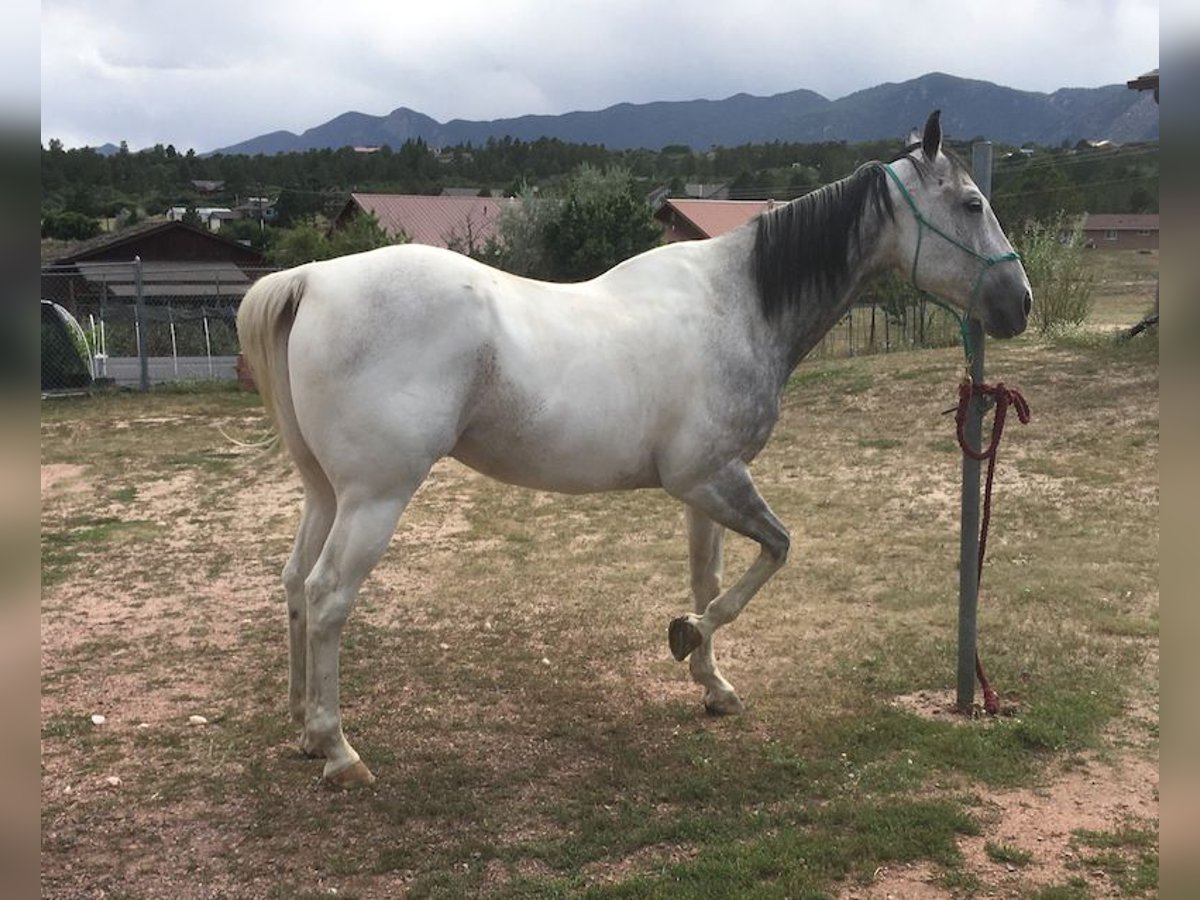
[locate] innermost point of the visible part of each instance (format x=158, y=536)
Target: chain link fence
x=140, y=324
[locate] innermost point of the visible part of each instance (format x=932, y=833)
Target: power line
x=1055, y=189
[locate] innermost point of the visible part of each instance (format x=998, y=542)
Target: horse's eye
x=975, y=205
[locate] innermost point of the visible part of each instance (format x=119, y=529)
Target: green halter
x=988, y=261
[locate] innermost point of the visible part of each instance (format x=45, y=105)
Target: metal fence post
x=139, y=311
x=968, y=564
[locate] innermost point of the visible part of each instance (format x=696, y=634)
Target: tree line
x=582, y=208
x=590, y=187
x=1071, y=179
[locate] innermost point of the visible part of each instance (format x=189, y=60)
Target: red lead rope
x=1003, y=398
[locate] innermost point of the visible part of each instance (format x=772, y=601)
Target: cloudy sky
x=207, y=74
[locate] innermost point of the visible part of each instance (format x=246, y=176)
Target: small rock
x=112, y=781
x=444, y=645
x=143, y=724
x=98, y=719
x=197, y=720
x=545, y=661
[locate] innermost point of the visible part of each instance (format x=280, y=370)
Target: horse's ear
x=913, y=140
x=931, y=143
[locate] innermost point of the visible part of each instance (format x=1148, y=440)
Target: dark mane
x=808, y=244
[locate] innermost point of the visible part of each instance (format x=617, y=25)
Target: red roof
x=1121, y=222
x=438, y=221
x=692, y=219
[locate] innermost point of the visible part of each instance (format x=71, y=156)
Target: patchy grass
x=506, y=672
x=1126, y=282
x=1128, y=855
x=1008, y=855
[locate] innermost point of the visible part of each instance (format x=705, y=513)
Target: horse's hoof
x=729, y=704
x=354, y=775
x=684, y=637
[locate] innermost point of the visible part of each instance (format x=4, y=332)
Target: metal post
x=139, y=312
x=208, y=347
x=174, y=345
x=968, y=563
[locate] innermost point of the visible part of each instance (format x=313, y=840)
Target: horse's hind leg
x=366, y=518
x=315, y=521
x=705, y=543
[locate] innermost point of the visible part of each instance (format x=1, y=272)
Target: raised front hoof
x=352, y=776
x=723, y=704
x=684, y=637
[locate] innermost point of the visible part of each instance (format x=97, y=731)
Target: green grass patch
x=79, y=535
x=879, y=443
x=1006, y=854
x=831, y=379
x=1128, y=855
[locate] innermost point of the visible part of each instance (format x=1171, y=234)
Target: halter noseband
x=923, y=223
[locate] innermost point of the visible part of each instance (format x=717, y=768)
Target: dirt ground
x=169, y=767
x=1095, y=794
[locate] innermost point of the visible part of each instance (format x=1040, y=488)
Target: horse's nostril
x=1028, y=302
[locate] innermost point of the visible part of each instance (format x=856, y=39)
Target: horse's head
x=948, y=240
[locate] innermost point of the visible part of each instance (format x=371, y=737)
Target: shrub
x=600, y=220
x=1052, y=253
x=69, y=226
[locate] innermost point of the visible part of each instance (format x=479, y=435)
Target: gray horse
x=664, y=372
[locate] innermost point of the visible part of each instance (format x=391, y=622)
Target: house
x=1121, y=231
x=702, y=191
x=1145, y=82
x=260, y=209
x=691, y=220
x=189, y=282
x=180, y=264
x=459, y=223
x=210, y=216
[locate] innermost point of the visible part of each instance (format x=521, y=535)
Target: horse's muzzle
x=1008, y=319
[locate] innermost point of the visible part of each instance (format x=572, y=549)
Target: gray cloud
x=203, y=76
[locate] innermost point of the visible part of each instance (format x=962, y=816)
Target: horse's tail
x=264, y=323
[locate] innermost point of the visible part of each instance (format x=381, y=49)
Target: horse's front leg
x=730, y=499
x=705, y=541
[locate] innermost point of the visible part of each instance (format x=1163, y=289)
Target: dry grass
x=1126, y=286
x=507, y=676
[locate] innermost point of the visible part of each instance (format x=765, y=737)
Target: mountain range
x=970, y=109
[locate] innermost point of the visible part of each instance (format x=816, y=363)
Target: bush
x=69, y=226
x=1052, y=253
x=601, y=220
x=309, y=242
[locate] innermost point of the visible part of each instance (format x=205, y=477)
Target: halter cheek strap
x=923, y=224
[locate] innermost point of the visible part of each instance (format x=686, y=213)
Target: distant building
x=260, y=209
x=180, y=263
x=701, y=191
x=692, y=220
x=210, y=216
x=1125, y=231
x=459, y=223
x=1145, y=82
